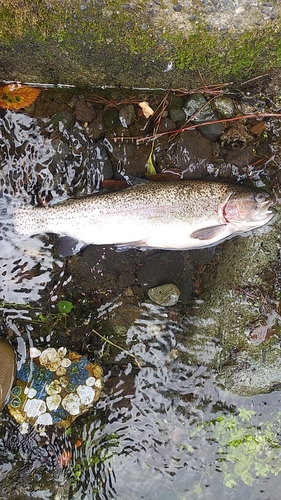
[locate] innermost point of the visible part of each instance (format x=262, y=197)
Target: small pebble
x=164, y=295
x=177, y=8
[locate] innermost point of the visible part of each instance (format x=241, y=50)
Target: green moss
x=223, y=56
x=117, y=31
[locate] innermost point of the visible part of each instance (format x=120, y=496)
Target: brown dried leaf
x=146, y=109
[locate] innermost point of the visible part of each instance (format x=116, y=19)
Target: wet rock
x=190, y=151
x=102, y=270
x=96, y=129
x=212, y=131
x=126, y=279
x=130, y=157
x=247, y=107
x=127, y=115
x=177, y=102
x=162, y=267
x=61, y=150
x=241, y=158
x=100, y=167
x=84, y=111
x=177, y=7
x=250, y=377
x=224, y=106
x=236, y=136
x=120, y=317
x=164, y=295
x=110, y=119
x=177, y=114
x=59, y=123
x=197, y=108
x=166, y=124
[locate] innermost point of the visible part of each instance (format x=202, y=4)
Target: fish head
x=246, y=209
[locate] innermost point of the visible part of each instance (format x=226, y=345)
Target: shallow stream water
x=168, y=425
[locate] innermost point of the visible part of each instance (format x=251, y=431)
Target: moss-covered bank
x=114, y=43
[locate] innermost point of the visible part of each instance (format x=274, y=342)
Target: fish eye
x=260, y=197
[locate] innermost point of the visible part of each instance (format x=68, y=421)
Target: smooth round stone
x=177, y=114
x=198, y=106
x=127, y=115
x=164, y=295
x=224, y=106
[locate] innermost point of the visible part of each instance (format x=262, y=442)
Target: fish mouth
x=265, y=208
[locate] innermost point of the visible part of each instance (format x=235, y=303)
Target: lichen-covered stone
x=164, y=295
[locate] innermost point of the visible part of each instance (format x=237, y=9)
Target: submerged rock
x=164, y=295
x=84, y=111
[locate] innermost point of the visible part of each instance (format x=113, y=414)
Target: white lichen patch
x=86, y=394
x=53, y=388
x=44, y=419
x=34, y=407
x=71, y=403
x=53, y=402
x=50, y=359
x=34, y=352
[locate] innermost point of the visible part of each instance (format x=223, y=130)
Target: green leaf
x=150, y=169
x=42, y=318
x=64, y=306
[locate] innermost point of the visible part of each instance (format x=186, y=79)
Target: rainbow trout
x=167, y=215
x=8, y=370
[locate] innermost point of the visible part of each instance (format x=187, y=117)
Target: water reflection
x=41, y=160
x=141, y=444
x=153, y=435
x=26, y=267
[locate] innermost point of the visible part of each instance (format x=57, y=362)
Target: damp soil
x=177, y=379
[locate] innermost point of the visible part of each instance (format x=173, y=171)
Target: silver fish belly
x=167, y=215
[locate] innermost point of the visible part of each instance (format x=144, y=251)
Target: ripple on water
x=35, y=166
x=141, y=444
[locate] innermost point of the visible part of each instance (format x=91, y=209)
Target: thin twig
x=196, y=125
x=118, y=347
x=253, y=79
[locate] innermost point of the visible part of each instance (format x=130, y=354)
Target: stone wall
x=157, y=43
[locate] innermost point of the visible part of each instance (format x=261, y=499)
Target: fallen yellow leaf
x=17, y=96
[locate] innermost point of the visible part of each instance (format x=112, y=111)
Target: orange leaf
x=258, y=128
x=17, y=96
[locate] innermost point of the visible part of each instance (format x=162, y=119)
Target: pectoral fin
x=69, y=246
x=208, y=233
x=123, y=247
